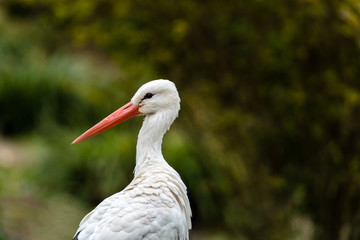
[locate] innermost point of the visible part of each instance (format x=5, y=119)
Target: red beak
x=122, y=114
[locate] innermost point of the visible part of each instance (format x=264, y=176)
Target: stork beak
x=122, y=114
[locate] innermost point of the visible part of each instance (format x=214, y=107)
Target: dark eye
x=148, y=95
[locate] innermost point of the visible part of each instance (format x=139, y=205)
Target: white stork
x=154, y=205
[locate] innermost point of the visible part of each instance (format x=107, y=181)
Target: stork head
x=155, y=97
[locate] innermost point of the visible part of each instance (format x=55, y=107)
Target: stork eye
x=148, y=95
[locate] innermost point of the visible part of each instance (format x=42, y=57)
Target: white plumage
x=154, y=205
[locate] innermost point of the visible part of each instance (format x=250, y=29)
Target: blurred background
x=268, y=137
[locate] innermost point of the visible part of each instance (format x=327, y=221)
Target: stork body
x=154, y=205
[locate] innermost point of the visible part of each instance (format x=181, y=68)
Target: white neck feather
x=148, y=148
x=149, y=155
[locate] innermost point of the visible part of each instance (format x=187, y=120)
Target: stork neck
x=148, y=148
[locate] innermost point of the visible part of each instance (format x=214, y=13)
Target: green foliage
x=270, y=104
x=2, y=235
x=27, y=87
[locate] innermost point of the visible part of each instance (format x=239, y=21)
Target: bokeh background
x=268, y=138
